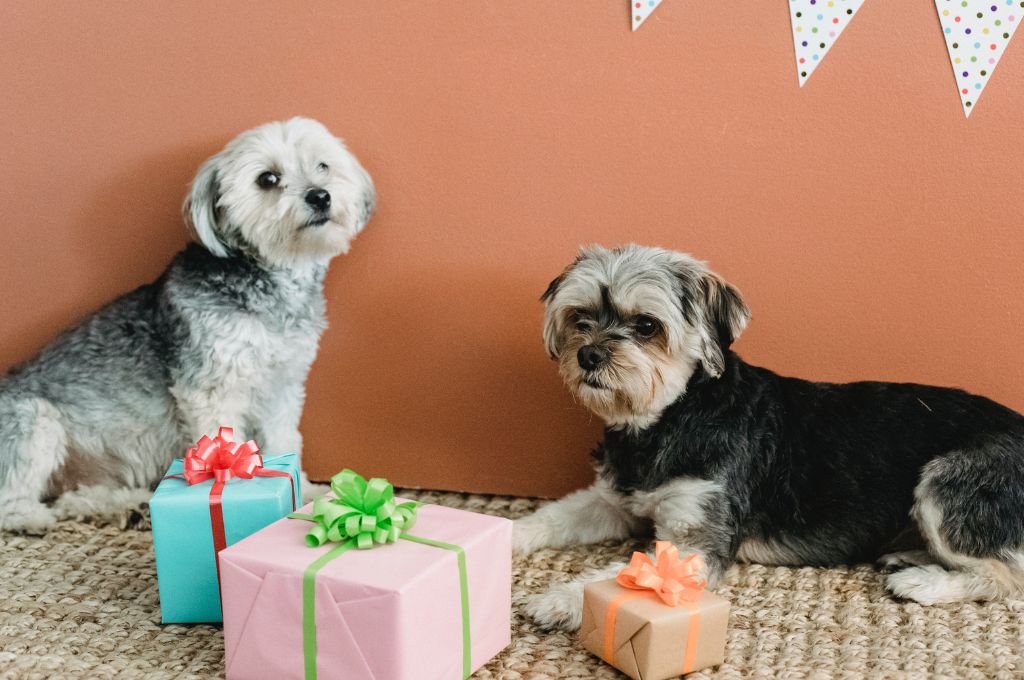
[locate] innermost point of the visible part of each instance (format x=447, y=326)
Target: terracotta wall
x=875, y=232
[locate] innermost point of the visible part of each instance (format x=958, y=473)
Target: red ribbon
x=221, y=460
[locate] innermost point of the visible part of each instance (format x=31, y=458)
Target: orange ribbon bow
x=222, y=459
x=674, y=580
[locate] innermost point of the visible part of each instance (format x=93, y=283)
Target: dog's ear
x=553, y=313
x=552, y=288
x=200, y=207
x=369, y=199
x=552, y=317
x=584, y=253
x=725, y=315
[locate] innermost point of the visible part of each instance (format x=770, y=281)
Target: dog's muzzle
x=320, y=201
x=591, y=357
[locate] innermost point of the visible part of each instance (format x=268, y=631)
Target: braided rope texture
x=82, y=602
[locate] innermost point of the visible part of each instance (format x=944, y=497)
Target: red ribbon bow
x=222, y=459
x=674, y=580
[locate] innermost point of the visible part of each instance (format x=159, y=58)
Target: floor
x=81, y=602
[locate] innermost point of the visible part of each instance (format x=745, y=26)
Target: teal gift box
x=185, y=518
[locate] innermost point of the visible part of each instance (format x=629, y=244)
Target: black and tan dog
x=739, y=463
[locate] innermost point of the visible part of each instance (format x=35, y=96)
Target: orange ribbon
x=673, y=580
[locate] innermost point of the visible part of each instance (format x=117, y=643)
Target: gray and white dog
x=741, y=464
x=225, y=336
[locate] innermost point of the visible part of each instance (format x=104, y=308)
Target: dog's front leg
x=205, y=409
x=278, y=428
x=694, y=514
x=560, y=607
x=279, y=433
x=711, y=543
x=699, y=524
x=591, y=515
x=278, y=425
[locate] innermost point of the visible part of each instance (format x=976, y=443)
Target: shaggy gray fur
x=225, y=336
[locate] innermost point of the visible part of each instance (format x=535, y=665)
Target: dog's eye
x=645, y=326
x=268, y=180
x=581, y=321
x=322, y=167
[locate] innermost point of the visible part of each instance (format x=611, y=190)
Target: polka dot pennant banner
x=817, y=25
x=977, y=32
x=641, y=9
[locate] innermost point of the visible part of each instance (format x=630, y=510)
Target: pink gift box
x=393, y=612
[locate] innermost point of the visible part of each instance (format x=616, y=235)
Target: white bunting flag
x=641, y=9
x=977, y=33
x=817, y=24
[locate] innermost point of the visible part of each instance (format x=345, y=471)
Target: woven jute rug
x=81, y=602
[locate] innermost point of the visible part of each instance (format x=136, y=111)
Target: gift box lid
x=173, y=491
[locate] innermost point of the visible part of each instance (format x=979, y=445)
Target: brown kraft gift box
x=651, y=640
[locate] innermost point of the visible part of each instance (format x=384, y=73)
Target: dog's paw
x=102, y=503
x=925, y=584
x=30, y=517
x=901, y=560
x=311, y=490
x=528, y=535
x=560, y=608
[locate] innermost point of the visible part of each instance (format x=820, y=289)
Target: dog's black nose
x=318, y=198
x=591, y=357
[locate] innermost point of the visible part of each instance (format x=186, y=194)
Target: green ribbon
x=364, y=515
x=309, y=606
x=460, y=554
x=363, y=511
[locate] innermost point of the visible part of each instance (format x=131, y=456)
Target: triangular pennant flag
x=640, y=10
x=977, y=33
x=817, y=25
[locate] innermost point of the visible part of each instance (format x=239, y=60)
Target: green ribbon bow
x=363, y=511
x=365, y=515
